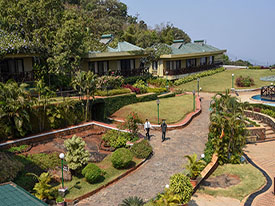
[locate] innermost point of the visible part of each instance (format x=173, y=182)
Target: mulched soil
x=92, y=138
x=222, y=181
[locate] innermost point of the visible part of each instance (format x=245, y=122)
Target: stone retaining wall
x=261, y=117
x=259, y=132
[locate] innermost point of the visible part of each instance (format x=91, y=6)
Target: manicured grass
x=251, y=180
x=221, y=81
x=172, y=109
x=78, y=186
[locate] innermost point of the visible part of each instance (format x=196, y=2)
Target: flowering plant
x=131, y=123
x=109, y=82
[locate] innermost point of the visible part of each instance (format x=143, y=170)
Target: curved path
x=151, y=178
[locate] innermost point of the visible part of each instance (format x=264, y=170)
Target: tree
x=85, y=83
x=76, y=155
x=15, y=104
x=194, y=166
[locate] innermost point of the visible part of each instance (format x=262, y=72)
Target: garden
x=93, y=158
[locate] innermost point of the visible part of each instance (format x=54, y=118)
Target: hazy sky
x=246, y=28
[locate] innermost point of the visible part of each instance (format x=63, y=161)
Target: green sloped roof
x=124, y=47
x=13, y=195
x=190, y=48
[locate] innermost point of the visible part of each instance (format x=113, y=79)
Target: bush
x=132, y=201
x=156, y=90
x=18, y=149
x=141, y=85
x=10, y=167
x=116, y=139
x=133, y=89
x=142, y=149
x=132, y=80
x=198, y=75
x=147, y=97
x=112, y=92
x=45, y=161
x=180, y=185
x=76, y=155
x=244, y=81
x=208, y=151
x=159, y=82
x=109, y=82
x=131, y=123
x=194, y=166
x=121, y=158
x=92, y=173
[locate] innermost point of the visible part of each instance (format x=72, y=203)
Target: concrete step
x=270, y=136
x=269, y=132
x=251, y=139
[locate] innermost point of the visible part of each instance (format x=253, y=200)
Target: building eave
x=190, y=55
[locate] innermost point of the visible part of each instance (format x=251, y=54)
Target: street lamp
x=194, y=100
x=61, y=156
x=167, y=79
x=232, y=81
x=158, y=108
x=198, y=85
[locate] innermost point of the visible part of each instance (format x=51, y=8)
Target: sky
x=245, y=28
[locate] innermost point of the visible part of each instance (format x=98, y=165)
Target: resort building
x=123, y=60
x=185, y=59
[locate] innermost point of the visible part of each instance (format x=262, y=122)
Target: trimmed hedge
x=156, y=90
x=147, y=97
x=112, y=92
x=92, y=173
x=192, y=77
x=167, y=95
x=121, y=158
x=132, y=80
x=142, y=149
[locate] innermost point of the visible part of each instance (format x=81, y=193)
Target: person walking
x=147, y=127
x=163, y=129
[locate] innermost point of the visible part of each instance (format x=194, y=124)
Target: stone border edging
x=180, y=124
x=263, y=189
x=207, y=171
x=100, y=124
x=107, y=184
x=247, y=90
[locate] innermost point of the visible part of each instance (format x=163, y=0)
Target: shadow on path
x=251, y=197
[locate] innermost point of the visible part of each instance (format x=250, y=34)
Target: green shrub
x=180, y=185
x=254, y=67
x=121, y=158
x=18, y=149
x=132, y=80
x=244, y=81
x=77, y=156
x=156, y=90
x=160, y=82
x=111, y=82
x=147, y=97
x=268, y=112
x=194, y=166
x=92, y=173
x=112, y=92
x=208, y=151
x=116, y=139
x=132, y=201
x=198, y=75
x=10, y=167
x=141, y=85
x=142, y=149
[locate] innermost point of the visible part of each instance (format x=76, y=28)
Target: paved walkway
x=167, y=160
x=207, y=200
x=263, y=155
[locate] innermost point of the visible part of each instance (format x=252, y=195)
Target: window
x=177, y=64
x=172, y=65
x=12, y=66
x=155, y=65
x=127, y=64
x=168, y=65
x=203, y=61
x=211, y=59
x=92, y=67
x=190, y=63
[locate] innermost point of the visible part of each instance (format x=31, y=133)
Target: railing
x=193, y=69
x=18, y=77
x=268, y=92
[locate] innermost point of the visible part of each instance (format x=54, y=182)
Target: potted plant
x=193, y=168
x=60, y=201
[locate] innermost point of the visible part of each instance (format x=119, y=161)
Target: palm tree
x=85, y=83
x=194, y=166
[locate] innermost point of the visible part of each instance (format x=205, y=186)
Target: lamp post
x=232, y=81
x=158, y=108
x=61, y=156
x=194, y=100
x=167, y=79
x=198, y=85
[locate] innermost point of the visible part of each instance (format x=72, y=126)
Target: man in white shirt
x=147, y=127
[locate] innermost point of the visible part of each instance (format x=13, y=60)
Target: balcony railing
x=193, y=69
x=18, y=77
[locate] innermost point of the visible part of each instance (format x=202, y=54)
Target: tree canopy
x=61, y=32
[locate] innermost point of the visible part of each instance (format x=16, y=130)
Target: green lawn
x=221, y=81
x=172, y=109
x=251, y=180
x=78, y=186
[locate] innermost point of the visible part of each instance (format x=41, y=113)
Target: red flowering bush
x=133, y=89
x=109, y=82
x=131, y=123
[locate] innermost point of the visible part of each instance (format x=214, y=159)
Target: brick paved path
x=167, y=160
x=263, y=155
